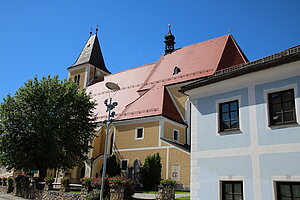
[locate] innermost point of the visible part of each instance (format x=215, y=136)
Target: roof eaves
x=183, y=147
x=286, y=56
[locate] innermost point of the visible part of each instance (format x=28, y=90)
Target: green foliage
x=118, y=180
x=65, y=180
x=46, y=125
x=151, y=172
x=10, y=180
x=86, y=180
x=167, y=182
x=49, y=179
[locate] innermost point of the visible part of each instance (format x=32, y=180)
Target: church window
x=77, y=79
x=175, y=135
x=124, y=164
x=139, y=133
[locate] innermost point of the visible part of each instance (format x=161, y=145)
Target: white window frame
x=267, y=110
x=178, y=133
x=286, y=178
x=127, y=160
x=217, y=104
x=230, y=178
x=136, y=133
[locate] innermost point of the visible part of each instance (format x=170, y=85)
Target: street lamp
x=110, y=106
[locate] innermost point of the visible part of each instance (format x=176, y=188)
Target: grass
x=154, y=192
x=183, y=198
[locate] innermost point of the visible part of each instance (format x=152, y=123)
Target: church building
x=152, y=116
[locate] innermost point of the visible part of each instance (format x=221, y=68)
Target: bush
x=113, y=167
x=65, y=180
x=86, y=180
x=116, y=181
x=129, y=191
x=167, y=182
x=151, y=172
x=96, y=182
x=49, y=179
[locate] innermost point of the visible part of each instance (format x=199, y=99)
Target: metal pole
x=105, y=150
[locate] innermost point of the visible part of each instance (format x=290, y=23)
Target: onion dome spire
x=169, y=41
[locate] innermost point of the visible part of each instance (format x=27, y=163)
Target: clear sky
x=40, y=37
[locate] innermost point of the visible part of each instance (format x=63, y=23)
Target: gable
x=232, y=55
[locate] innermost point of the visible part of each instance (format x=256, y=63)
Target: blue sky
x=40, y=37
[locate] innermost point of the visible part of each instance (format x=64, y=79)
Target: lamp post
x=110, y=106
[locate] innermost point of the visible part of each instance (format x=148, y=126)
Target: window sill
x=284, y=125
x=230, y=132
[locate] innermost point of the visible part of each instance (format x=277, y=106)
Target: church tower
x=89, y=67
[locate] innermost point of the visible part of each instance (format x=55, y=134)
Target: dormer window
x=176, y=70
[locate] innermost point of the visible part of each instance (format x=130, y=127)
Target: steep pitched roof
x=91, y=53
x=143, y=90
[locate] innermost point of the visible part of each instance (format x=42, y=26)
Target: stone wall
x=56, y=195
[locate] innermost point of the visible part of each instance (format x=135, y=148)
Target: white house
x=246, y=131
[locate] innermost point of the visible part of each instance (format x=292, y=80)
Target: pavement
x=146, y=196
x=4, y=196
x=142, y=196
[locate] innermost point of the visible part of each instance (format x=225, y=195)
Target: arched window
x=77, y=79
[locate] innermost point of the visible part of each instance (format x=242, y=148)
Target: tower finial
x=169, y=25
x=91, y=31
x=96, y=28
x=169, y=41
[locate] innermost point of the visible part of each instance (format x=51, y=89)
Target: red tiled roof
x=143, y=90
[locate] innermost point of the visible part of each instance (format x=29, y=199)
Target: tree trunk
x=42, y=173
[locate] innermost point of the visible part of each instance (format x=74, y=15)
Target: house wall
x=258, y=155
x=128, y=147
x=182, y=160
x=169, y=129
x=126, y=135
x=179, y=100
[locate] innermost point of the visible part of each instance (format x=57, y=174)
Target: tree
x=151, y=172
x=113, y=167
x=46, y=125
